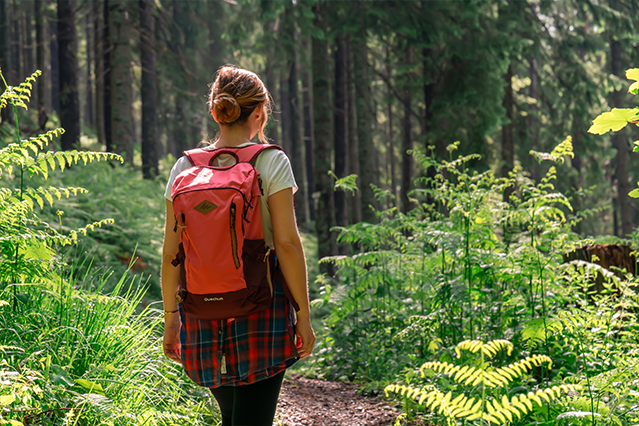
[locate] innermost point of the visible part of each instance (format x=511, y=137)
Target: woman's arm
x=290, y=253
x=170, y=278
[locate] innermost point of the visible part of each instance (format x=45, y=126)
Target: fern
x=26, y=241
x=492, y=409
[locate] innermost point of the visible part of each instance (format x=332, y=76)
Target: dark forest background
x=356, y=85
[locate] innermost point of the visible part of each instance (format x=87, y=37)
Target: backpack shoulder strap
x=199, y=156
x=249, y=153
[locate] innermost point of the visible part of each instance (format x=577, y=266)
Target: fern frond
x=18, y=95
x=489, y=349
x=49, y=192
x=519, y=368
x=73, y=235
x=495, y=411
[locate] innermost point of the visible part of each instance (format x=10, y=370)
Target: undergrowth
x=465, y=265
x=78, y=345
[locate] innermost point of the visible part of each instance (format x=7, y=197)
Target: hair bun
x=226, y=108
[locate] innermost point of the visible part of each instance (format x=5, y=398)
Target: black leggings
x=249, y=405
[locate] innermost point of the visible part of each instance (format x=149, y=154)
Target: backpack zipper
x=234, y=236
x=246, y=201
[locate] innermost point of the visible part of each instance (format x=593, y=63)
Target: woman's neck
x=231, y=136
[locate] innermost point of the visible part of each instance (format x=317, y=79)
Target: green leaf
x=634, y=193
x=6, y=399
x=634, y=88
x=92, y=387
x=11, y=423
x=614, y=120
x=632, y=74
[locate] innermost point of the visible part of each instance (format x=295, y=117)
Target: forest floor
x=309, y=402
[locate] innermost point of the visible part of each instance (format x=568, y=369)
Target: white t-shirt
x=275, y=170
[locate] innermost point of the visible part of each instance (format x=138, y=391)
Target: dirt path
x=305, y=402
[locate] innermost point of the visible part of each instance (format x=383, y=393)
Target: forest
x=467, y=173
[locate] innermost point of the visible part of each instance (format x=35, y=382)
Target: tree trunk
x=322, y=126
x=298, y=148
x=533, y=128
x=576, y=164
x=28, y=38
x=106, y=78
x=55, y=67
x=148, y=93
x=621, y=143
x=270, y=79
x=180, y=127
x=16, y=63
x=309, y=140
x=340, y=126
x=353, y=146
x=98, y=48
x=5, y=54
x=88, y=104
x=507, y=132
x=363, y=104
x=271, y=74
x=285, y=116
x=391, y=137
x=43, y=116
x=69, y=98
x=121, y=96
x=407, y=138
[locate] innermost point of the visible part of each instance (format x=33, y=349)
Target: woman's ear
x=213, y=115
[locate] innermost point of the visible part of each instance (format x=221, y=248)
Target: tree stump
x=608, y=255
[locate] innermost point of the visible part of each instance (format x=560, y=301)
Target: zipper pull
x=223, y=367
x=259, y=183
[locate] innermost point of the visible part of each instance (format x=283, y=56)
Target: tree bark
x=55, y=67
x=298, y=148
x=621, y=144
x=285, y=116
x=88, y=105
x=507, y=132
x=16, y=64
x=353, y=146
x=69, y=98
x=98, y=47
x=391, y=137
x=407, y=138
x=43, y=116
x=322, y=126
x=121, y=96
x=148, y=93
x=367, y=151
x=340, y=126
x=533, y=129
x=5, y=54
x=309, y=139
x=28, y=39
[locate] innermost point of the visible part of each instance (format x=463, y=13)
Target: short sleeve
x=281, y=174
x=180, y=165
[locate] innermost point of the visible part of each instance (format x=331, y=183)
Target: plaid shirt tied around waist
x=243, y=350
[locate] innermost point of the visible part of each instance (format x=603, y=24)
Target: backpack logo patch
x=213, y=299
x=205, y=207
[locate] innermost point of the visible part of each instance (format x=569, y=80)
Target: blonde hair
x=235, y=94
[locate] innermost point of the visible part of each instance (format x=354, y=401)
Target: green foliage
x=26, y=243
x=496, y=408
x=70, y=355
x=421, y=282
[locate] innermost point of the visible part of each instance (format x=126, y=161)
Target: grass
x=77, y=357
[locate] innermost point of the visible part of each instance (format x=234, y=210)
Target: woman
x=247, y=384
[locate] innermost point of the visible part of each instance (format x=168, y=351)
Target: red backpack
x=224, y=260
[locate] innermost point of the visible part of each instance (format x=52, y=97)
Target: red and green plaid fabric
x=241, y=351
